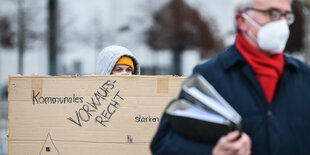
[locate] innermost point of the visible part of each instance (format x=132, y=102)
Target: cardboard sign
x=86, y=114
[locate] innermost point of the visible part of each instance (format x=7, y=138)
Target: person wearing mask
x=117, y=60
x=269, y=89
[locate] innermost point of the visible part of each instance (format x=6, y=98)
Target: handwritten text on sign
x=38, y=99
x=102, y=97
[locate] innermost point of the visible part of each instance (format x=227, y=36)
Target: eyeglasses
x=275, y=14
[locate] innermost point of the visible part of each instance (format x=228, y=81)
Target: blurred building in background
x=163, y=34
x=84, y=28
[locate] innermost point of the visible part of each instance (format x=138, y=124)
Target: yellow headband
x=126, y=60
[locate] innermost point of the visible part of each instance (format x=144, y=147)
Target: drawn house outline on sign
x=49, y=146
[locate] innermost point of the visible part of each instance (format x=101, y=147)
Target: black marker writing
x=100, y=100
x=37, y=99
x=146, y=119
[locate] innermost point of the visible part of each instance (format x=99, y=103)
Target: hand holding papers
x=202, y=114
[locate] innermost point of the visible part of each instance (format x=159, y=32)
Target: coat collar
x=231, y=57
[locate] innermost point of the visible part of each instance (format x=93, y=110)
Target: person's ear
x=241, y=22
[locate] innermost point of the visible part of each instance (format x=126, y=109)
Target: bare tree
x=27, y=12
x=297, y=29
x=6, y=33
x=307, y=26
x=178, y=27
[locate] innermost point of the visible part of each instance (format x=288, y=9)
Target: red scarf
x=267, y=70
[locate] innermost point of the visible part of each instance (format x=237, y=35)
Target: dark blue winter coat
x=280, y=128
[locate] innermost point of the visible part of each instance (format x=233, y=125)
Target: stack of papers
x=202, y=114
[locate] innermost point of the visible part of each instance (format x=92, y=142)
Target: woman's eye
x=117, y=69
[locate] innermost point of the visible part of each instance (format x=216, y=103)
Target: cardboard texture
x=86, y=114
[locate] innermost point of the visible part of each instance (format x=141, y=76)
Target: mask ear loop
x=250, y=33
x=248, y=18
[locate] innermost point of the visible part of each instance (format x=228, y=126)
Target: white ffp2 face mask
x=122, y=73
x=271, y=37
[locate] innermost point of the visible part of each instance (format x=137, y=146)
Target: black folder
x=202, y=114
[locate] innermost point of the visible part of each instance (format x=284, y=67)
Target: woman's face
x=121, y=70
